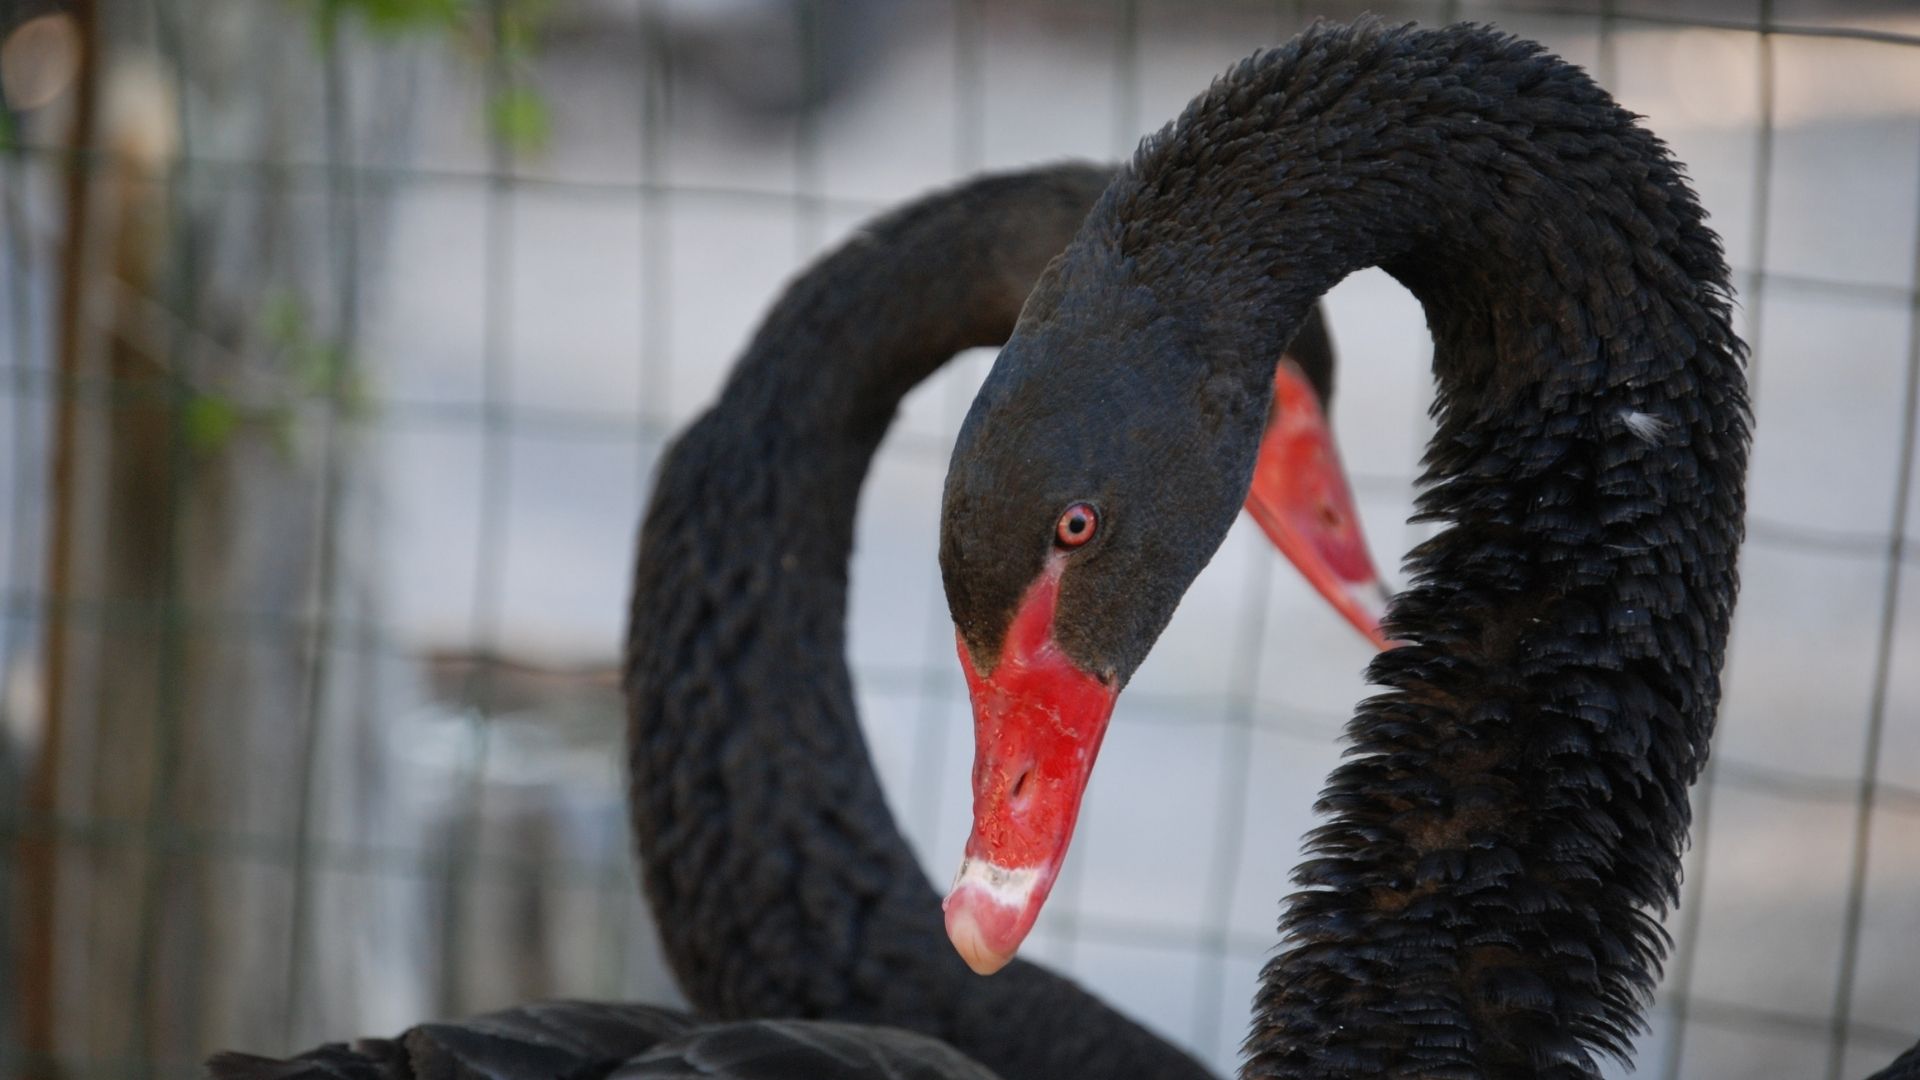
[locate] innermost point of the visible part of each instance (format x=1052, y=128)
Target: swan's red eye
x=1076, y=526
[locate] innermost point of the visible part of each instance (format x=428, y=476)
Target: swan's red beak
x=1301, y=498
x=1038, y=721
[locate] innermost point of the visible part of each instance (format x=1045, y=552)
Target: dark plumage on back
x=790, y=1050
x=579, y=1040
x=563, y=1040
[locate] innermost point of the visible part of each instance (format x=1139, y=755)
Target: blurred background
x=341, y=338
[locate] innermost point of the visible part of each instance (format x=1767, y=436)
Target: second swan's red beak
x=1039, y=718
x=1301, y=499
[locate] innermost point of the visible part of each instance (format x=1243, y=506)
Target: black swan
x=765, y=842
x=766, y=847
x=1482, y=899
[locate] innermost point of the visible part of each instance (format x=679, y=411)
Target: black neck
x=1483, y=898
x=780, y=880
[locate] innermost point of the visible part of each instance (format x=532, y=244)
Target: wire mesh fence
x=341, y=340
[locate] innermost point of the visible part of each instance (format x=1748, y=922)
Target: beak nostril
x=1020, y=783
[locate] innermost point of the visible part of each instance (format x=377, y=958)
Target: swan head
x=1084, y=497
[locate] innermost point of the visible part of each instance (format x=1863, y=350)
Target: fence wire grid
x=341, y=340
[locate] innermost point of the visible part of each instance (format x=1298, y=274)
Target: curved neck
x=1483, y=898
x=781, y=882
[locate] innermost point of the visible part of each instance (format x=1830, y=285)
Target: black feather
x=574, y=1040
x=788, y=1050
x=549, y=1040
x=1905, y=1067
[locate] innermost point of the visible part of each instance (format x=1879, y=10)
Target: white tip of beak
x=988, y=912
x=970, y=941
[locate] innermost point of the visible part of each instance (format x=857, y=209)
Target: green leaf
x=282, y=319
x=390, y=18
x=280, y=429
x=520, y=119
x=209, y=421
